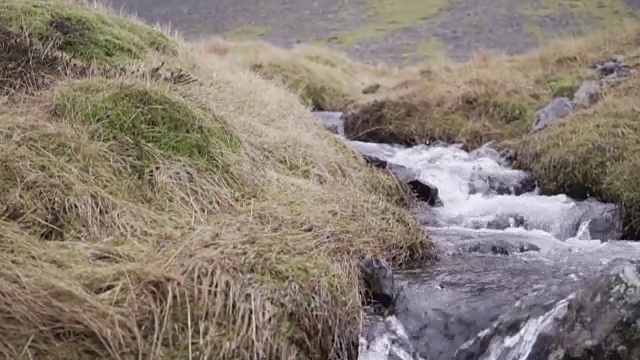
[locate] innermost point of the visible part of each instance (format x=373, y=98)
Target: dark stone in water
x=379, y=283
x=605, y=223
x=374, y=161
x=500, y=247
x=502, y=222
x=424, y=191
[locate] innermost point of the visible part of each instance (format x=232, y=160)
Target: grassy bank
x=174, y=215
x=492, y=98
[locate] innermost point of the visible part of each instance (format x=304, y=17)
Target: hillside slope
x=162, y=203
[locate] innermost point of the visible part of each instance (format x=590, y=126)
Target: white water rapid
x=510, y=258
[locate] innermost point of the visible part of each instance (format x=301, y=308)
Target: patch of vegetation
x=593, y=153
x=208, y=219
x=564, y=85
x=487, y=98
x=146, y=120
x=83, y=33
x=324, y=79
x=385, y=16
x=247, y=33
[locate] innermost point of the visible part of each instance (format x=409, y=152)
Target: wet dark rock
x=379, y=283
x=375, y=161
x=505, y=221
x=557, y=108
x=587, y=95
x=507, y=183
x=423, y=190
x=605, y=223
x=489, y=343
x=387, y=336
x=500, y=247
x=613, y=70
x=612, y=66
x=603, y=322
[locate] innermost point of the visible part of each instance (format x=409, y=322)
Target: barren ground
x=401, y=31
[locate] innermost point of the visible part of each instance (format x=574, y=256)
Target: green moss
x=146, y=119
x=84, y=33
x=320, y=93
x=564, y=85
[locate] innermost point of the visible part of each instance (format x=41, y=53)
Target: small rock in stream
x=502, y=222
x=424, y=191
x=604, y=219
x=500, y=247
x=379, y=283
x=374, y=161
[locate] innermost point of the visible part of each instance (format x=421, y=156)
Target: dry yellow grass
x=487, y=98
x=149, y=218
x=322, y=78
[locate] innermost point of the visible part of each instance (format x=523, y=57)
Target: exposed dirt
x=380, y=30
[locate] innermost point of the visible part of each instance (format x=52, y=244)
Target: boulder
x=557, y=108
x=587, y=94
x=604, y=219
x=379, y=283
x=423, y=190
x=602, y=322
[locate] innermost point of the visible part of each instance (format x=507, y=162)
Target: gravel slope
x=400, y=31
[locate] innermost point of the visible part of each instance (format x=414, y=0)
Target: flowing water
x=509, y=264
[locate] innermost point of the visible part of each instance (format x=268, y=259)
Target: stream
x=512, y=261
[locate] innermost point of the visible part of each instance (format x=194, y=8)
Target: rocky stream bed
x=521, y=275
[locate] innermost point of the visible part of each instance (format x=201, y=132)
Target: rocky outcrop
x=608, y=72
x=587, y=94
x=604, y=219
x=602, y=322
x=379, y=283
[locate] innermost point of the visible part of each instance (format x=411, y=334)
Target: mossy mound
x=84, y=33
x=592, y=153
x=210, y=219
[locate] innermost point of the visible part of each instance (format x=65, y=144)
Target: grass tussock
x=594, y=152
x=323, y=79
x=147, y=219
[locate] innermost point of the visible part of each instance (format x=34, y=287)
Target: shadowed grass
x=211, y=219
